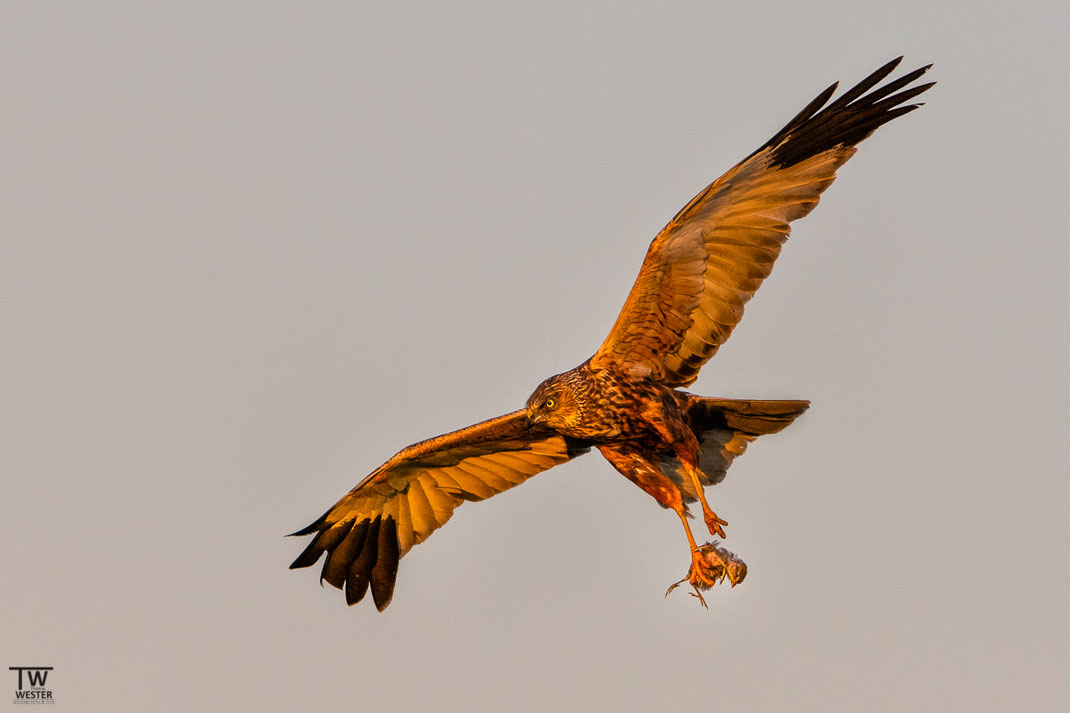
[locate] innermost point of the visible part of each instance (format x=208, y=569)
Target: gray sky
x=249, y=252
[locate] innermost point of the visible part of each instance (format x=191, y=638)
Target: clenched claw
x=710, y=565
x=714, y=523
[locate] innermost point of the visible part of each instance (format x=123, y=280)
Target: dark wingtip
x=356, y=588
x=882, y=72
x=849, y=119
x=314, y=527
x=308, y=557
x=385, y=572
x=889, y=66
x=361, y=556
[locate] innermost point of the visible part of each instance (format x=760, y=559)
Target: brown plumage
x=699, y=272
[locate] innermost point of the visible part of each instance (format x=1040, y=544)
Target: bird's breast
x=612, y=406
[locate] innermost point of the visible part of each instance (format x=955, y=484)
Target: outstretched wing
x=710, y=259
x=414, y=493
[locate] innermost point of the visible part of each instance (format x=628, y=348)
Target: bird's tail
x=724, y=428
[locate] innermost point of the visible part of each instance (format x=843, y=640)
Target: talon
x=714, y=523
x=711, y=565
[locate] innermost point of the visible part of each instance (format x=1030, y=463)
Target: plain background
x=251, y=249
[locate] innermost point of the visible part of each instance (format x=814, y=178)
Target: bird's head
x=555, y=403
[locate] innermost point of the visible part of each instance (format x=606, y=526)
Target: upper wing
x=707, y=262
x=414, y=493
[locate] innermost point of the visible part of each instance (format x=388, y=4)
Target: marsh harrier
x=626, y=400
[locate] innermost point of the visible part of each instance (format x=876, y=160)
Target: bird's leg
x=708, y=562
x=686, y=446
x=713, y=523
x=694, y=554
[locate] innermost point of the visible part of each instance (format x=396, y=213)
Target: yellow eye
x=550, y=403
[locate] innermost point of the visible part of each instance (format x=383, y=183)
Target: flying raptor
x=626, y=400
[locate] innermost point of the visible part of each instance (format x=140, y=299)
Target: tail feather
x=724, y=428
x=754, y=418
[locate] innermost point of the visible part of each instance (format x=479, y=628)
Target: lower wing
x=414, y=493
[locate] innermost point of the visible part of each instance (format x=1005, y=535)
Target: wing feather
x=487, y=474
x=414, y=493
x=478, y=486
x=421, y=513
x=715, y=253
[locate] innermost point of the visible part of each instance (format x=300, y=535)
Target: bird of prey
x=626, y=400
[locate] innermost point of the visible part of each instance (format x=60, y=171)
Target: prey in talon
x=710, y=565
